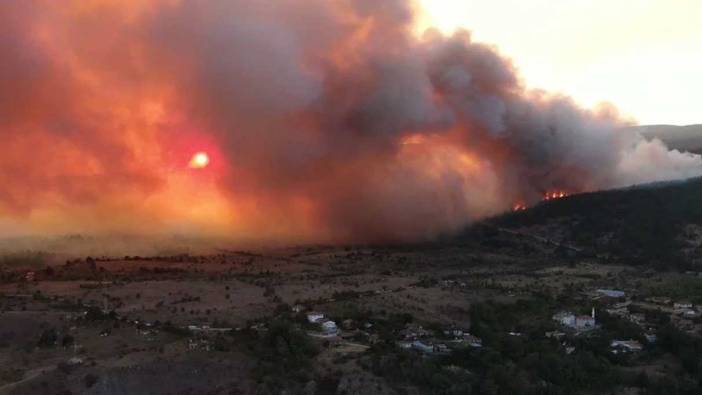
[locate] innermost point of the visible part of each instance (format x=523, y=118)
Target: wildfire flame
x=519, y=207
x=550, y=195
x=555, y=195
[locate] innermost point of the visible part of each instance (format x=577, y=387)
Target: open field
x=111, y=325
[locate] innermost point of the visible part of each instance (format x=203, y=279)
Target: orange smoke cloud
x=321, y=120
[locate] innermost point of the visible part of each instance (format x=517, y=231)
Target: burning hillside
x=555, y=195
x=307, y=120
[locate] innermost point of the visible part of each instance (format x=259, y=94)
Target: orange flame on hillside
x=550, y=195
x=555, y=195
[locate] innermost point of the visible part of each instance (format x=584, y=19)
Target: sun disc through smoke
x=199, y=161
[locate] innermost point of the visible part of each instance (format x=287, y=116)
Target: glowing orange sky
x=296, y=120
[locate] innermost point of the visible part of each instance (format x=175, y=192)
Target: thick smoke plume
x=325, y=120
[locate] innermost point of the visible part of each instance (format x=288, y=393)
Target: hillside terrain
x=657, y=224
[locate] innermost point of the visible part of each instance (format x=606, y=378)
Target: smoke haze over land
x=324, y=121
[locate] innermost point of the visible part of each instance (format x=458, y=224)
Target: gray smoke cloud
x=331, y=120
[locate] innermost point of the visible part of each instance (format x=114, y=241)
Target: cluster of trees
x=686, y=288
x=10, y=375
x=284, y=356
x=687, y=349
x=51, y=337
x=529, y=363
x=24, y=259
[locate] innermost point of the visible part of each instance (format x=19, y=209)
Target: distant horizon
x=670, y=124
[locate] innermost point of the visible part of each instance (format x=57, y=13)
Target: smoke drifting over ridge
x=324, y=120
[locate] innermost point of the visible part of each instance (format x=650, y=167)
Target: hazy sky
x=645, y=56
x=327, y=121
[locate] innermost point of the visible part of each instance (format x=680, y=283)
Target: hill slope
x=658, y=224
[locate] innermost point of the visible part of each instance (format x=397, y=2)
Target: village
x=87, y=319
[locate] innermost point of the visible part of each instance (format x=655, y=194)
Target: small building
x=682, y=305
x=329, y=327
x=584, y=322
x=637, y=318
x=580, y=322
x=314, y=317
x=30, y=276
x=441, y=348
x=565, y=318
x=423, y=346
x=690, y=313
x=298, y=308
x=611, y=293
x=456, y=333
x=412, y=331
x=404, y=345
x=208, y=329
x=472, y=341
x=625, y=346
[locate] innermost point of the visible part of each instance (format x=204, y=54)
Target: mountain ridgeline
x=657, y=225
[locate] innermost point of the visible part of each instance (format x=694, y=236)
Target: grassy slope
x=638, y=225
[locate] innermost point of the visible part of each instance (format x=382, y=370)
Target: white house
x=637, y=318
x=423, y=347
x=473, y=341
x=30, y=276
x=565, y=318
x=584, y=322
x=456, y=333
x=404, y=345
x=580, y=322
x=690, y=314
x=314, y=316
x=329, y=327
x=682, y=306
x=612, y=293
x=626, y=346
x=441, y=348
